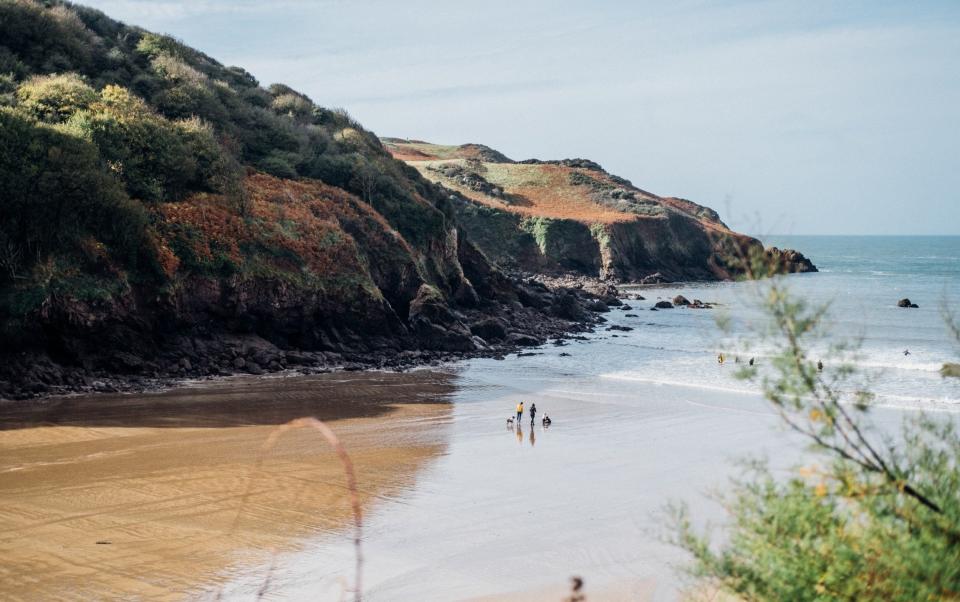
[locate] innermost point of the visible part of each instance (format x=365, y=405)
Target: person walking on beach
x=533, y=412
x=519, y=412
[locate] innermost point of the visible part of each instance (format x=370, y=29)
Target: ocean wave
x=668, y=382
x=881, y=400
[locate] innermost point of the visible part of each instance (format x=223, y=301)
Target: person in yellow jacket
x=519, y=412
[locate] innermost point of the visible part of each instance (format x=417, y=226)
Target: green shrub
x=872, y=518
x=278, y=163
x=293, y=106
x=54, y=98
x=54, y=193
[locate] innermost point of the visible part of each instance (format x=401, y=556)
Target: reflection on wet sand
x=143, y=496
x=517, y=429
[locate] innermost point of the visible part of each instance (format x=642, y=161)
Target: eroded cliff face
x=572, y=216
x=309, y=275
x=140, y=233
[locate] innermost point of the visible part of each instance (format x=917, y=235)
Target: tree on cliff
x=874, y=518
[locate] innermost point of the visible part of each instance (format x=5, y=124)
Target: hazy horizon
x=811, y=119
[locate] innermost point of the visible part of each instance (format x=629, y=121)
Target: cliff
x=163, y=215
x=571, y=215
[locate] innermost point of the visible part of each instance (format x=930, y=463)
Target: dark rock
x=298, y=358
x=254, y=368
x=630, y=316
x=524, y=340
x=598, y=306
x=491, y=329
x=626, y=307
x=434, y=336
x=618, y=327
x=680, y=300
x=567, y=306
x=611, y=300
x=239, y=363
x=465, y=295
x=789, y=260
x=906, y=303
x=655, y=278
x=126, y=362
x=663, y=305
x=430, y=304
x=531, y=297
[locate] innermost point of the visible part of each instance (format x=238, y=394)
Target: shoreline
x=528, y=325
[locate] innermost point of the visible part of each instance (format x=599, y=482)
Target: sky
x=808, y=117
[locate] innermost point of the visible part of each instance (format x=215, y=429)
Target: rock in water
x=663, y=305
x=906, y=303
x=680, y=300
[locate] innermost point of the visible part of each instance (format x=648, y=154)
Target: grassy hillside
x=572, y=215
x=149, y=193
x=107, y=132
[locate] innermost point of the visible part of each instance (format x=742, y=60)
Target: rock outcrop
x=572, y=216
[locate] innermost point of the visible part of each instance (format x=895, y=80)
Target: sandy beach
x=158, y=497
x=457, y=505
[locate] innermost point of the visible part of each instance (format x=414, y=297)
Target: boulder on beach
x=598, y=306
x=906, y=303
x=680, y=300
x=663, y=305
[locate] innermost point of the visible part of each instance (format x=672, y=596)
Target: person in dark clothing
x=533, y=412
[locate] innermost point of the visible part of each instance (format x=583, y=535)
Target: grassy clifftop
x=573, y=215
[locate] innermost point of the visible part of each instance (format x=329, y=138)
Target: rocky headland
x=166, y=217
x=571, y=215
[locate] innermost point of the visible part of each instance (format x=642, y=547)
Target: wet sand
x=512, y=513
x=166, y=496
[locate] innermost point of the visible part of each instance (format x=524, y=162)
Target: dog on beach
x=510, y=421
x=546, y=420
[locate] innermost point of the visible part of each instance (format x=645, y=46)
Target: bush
x=54, y=193
x=144, y=149
x=870, y=520
x=47, y=39
x=278, y=164
x=54, y=98
x=293, y=106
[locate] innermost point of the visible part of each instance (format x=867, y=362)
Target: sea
x=643, y=417
x=897, y=352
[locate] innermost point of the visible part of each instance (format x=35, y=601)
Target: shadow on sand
x=241, y=402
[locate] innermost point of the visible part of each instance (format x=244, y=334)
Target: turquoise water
x=861, y=278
